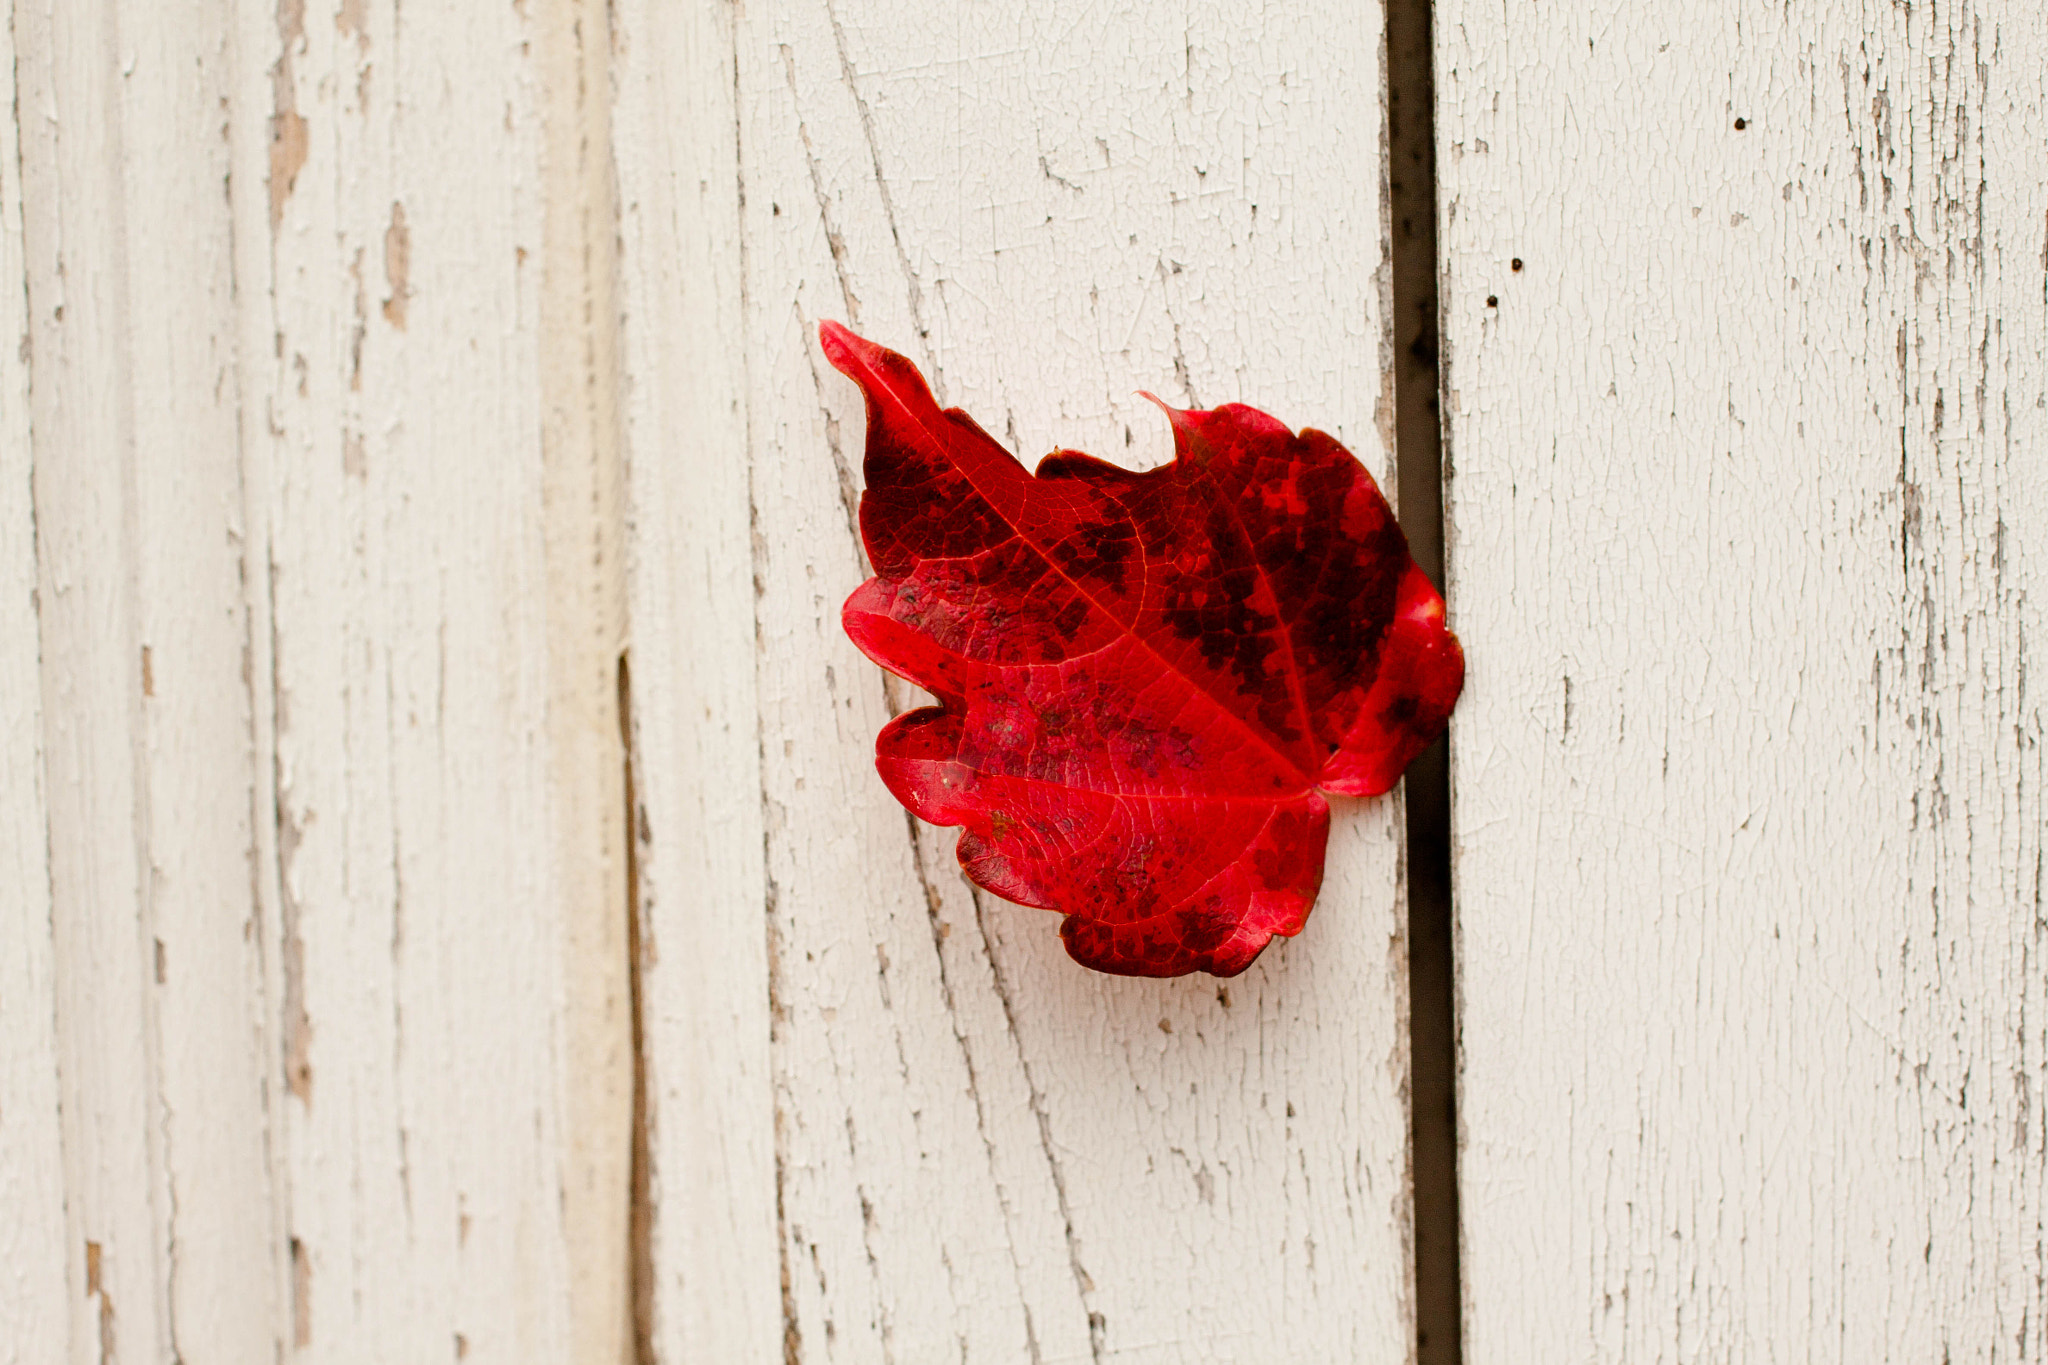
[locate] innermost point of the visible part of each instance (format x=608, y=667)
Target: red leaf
x=1147, y=682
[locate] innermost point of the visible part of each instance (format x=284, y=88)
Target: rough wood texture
x=436, y=682
x=33, y=1266
x=707, y=1272
x=582, y=498
x=1749, y=534
x=313, y=625
x=145, y=709
x=971, y=1148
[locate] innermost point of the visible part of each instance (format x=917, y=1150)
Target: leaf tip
x=839, y=343
x=1182, y=420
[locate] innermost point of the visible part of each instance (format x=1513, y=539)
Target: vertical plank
x=91, y=681
x=430, y=476
x=582, y=495
x=710, y=1286
x=979, y=1150
x=33, y=1262
x=145, y=706
x=202, y=957
x=1747, y=399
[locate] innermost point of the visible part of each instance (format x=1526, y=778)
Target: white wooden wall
x=424, y=517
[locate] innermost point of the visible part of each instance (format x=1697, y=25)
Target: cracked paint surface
x=1746, y=478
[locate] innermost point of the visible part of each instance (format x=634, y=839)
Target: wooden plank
x=978, y=1149
x=710, y=1275
x=428, y=480
x=34, y=1294
x=1747, y=399
x=91, y=685
x=582, y=497
x=175, y=70
x=145, y=708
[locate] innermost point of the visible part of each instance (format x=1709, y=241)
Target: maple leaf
x=1147, y=682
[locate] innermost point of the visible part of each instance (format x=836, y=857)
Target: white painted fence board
x=978, y=1149
x=582, y=496
x=1748, y=508
x=175, y=62
x=34, y=1292
x=91, y=687
x=713, y=1289
x=324, y=680
x=145, y=722
x=431, y=501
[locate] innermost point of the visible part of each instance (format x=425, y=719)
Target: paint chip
x=288, y=140
x=397, y=267
x=352, y=19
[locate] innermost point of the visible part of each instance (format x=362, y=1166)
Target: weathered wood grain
x=1747, y=403
x=146, y=734
x=34, y=1284
x=429, y=471
x=971, y=1148
x=583, y=509
x=709, y=1277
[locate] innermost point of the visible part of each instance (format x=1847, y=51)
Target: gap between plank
x=640, y=1206
x=1418, y=454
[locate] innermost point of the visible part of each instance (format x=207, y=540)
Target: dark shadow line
x=1419, y=460
x=640, y=1210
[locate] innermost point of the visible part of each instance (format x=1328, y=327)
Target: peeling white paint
x=316, y=991
x=36, y=1279
x=1748, y=507
x=357, y=423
